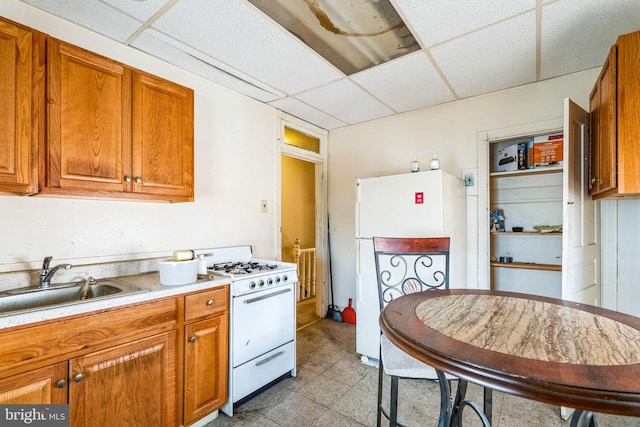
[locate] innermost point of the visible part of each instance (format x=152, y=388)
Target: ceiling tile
x=577, y=34
x=347, y=101
x=498, y=57
x=146, y=42
x=142, y=10
x=406, y=83
x=243, y=38
x=307, y=113
x=91, y=14
x=435, y=21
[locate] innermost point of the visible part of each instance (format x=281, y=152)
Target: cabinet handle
x=192, y=339
x=79, y=378
x=62, y=383
x=127, y=178
x=210, y=302
x=138, y=179
x=594, y=180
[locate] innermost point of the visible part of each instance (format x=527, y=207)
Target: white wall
x=387, y=146
x=235, y=158
x=628, y=267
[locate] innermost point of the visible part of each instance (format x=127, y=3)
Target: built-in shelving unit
x=527, y=198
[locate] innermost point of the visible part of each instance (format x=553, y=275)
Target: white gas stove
x=262, y=321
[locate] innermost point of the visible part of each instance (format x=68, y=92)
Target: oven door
x=262, y=321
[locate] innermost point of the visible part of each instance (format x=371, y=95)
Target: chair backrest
x=407, y=265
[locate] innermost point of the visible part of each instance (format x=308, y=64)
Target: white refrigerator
x=421, y=204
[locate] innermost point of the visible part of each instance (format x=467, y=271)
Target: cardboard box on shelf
x=548, y=150
x=507, y=158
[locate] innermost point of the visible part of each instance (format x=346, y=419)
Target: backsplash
x=21, y=279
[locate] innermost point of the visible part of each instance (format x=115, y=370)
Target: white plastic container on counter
x=173, y=273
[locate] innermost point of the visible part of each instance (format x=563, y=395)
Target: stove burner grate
x=238, y=268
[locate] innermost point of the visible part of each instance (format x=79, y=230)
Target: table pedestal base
x=451, y=409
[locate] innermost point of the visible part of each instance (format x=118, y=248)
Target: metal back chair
x=404, y=266
x=407, y=265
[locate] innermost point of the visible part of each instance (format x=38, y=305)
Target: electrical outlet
x=263, y=206
x=468, y=180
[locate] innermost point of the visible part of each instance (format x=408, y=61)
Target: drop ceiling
x=467, y=48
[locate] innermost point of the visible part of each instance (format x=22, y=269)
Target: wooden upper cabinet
x=89, y=115
x=162, y=137
x=602, y=108
x=114, y=131
x=21, y=53
x=615, y=123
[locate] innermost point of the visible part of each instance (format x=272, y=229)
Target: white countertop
x=150, y=281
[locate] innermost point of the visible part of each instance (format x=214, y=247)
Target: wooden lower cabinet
x=159, y=363
x=205, y=367
x=129, y=385
x=47, y=385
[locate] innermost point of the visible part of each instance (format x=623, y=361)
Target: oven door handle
x=263, y=297
x=270, y=358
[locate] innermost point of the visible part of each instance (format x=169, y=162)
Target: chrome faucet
x=46, y=274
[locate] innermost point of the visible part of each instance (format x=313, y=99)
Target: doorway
x=303, y=213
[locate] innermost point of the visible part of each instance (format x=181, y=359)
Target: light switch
x=263, y=206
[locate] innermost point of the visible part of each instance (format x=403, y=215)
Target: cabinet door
x=580, y=228
x=89, y=116
x=39, y=386
x=602, y=106
x=205, y=367
x=129, y=385
x=162, y=137
x=18, y=125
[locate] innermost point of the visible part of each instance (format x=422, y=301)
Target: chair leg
x=393, y=416
x=488, y=403
x=380, y=376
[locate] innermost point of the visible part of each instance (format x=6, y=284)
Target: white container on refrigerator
x=422, y=204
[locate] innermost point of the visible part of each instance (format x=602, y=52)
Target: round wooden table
x=539, y=348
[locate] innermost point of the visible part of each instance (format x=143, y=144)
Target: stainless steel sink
x=34, y=298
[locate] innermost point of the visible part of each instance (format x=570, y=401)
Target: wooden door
x=162, y=137
x=580, y=232
x=205, y=367
x=602, y=107
x=47, y=385
x=89, y=120
x=128, y=385
x=19, y=72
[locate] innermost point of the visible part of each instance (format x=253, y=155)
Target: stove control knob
x=260, y=283
x=285, y=278
x=278, y=279
x=252, y=285
x=269, y=281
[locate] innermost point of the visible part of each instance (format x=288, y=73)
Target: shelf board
x=526, y=233
x=527, y=266
x=525, y=172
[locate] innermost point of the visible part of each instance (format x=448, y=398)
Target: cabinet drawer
x=206, y=303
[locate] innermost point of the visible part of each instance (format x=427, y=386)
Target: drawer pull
x=192, y=339
x=210, y=302
x=79, y=378
x=62, y=383
x=270, y=358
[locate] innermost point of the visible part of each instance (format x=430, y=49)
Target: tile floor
x=333, y=388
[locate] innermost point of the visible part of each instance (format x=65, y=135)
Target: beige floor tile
x=333, y=388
